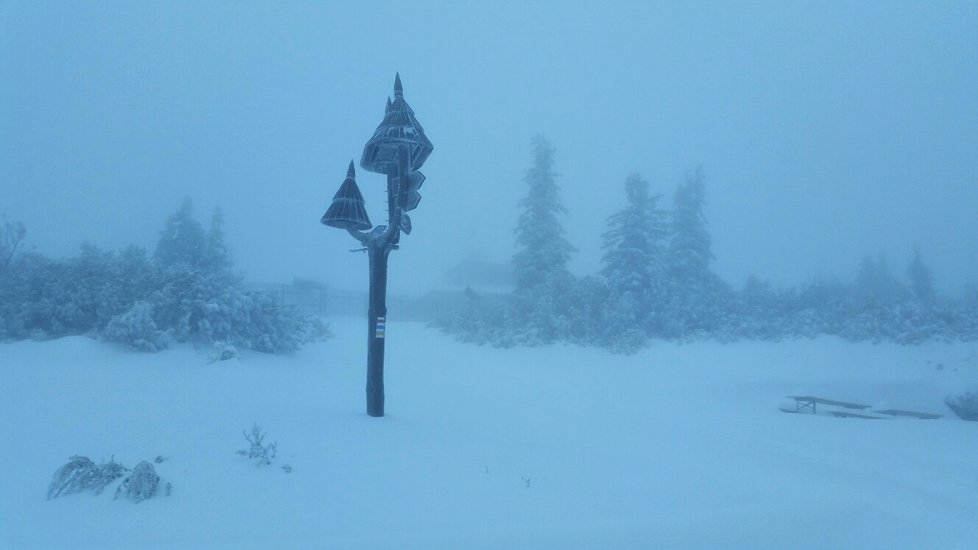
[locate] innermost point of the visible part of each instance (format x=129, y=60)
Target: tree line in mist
x=186, y=291
x=656, y=282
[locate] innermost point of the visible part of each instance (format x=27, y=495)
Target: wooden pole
x=378, y=250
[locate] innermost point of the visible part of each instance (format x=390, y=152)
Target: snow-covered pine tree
x=698, y=299
x=201, y=298
x=689, y=248
x=216, y=256
x=875, y=308
x=182, y=238
x=875, y=286
x=921, y=278
x=542, y=253
x=179, y=255
x=633, y=261
x=760, y=316
x=826, y=301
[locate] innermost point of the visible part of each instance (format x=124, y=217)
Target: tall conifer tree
x=921, y=278
x=699, y=300
x=182, y=239
x=542, y=251
x=544, y=285
x=633, y=260
x=689, y=249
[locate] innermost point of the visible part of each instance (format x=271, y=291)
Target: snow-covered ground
x=679, y=446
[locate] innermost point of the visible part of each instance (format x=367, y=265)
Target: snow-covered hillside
x=679, y=446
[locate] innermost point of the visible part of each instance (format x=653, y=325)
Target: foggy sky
x=826, y=130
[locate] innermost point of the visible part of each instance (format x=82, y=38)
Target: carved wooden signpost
x=397, y=149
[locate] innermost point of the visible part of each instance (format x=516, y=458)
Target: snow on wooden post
x=397, y=149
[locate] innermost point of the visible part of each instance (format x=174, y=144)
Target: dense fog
x=825, y=132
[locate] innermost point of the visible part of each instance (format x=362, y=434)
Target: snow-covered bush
x=964, y=405
x=187, y=292
x=141, y=484
x=223, y=351
x=199, y=297
x=261, y=323
x=481, y=320
x=258, y=449
x=81, y=474
x=136, y=329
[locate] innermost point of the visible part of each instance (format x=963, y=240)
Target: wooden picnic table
x=844, y=414
x=911, y=414
x=803, y=402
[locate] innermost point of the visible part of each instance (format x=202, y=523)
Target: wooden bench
x=809, y=402
x=844, y=414
x=911, y=414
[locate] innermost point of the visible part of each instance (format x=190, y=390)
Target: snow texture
x=675, y=446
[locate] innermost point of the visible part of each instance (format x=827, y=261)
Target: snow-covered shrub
x=141, y=484
x=187, y=292
x=261, y=323
x=964, y=405
x=200, y=298
x=481, y=320
x=223, y=351
x=81, y=474
x=73, y=477
x=135, y=328
x=257, y=449
x=628, y=341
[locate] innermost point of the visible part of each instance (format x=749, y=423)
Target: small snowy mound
x=964, y=405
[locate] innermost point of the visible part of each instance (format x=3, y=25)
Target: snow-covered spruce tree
x=921, y=279
x=182, y=238
x=196, y=296
x=762, y=311
x=923, y=316
x=699, y=302
x=216, y=255
x=633, y=265
x=930, y=315
x=689, y=247
x=542, y=252
x=875, y=305
x=820, y=308
x=186, y=284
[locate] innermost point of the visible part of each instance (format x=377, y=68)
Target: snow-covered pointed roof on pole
x=399, y=127
x=347, y=210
